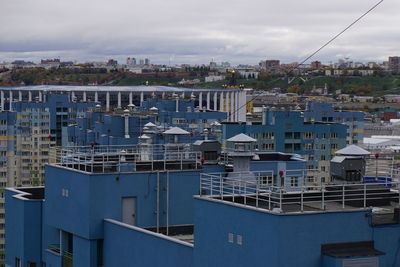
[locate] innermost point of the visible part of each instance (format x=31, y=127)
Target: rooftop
x=129, y=158
x=255, y=190
x=140, y=88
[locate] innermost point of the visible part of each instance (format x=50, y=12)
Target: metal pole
x=365, y=195
x=220, y=185
x=167, y=203
x=158, y=202
x=258, y=189
x=301, y=199
x=343, y=196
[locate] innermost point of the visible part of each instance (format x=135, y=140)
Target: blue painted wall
x=285, y=240
x=23, y=229
x=129, y=247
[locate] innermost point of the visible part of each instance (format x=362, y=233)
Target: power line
x=314, y=53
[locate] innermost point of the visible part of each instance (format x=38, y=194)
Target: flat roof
x=350, y=249
x=140, y=88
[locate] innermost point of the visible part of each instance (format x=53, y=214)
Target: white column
x=30, y=96
x=243, y=104
x=108, y=101
x=19, y=96
x=40, y=96
x=201, y=101
x=215, y=101
x=227, y=106
x=183, y=95
x=127, y=126
x=237, y=106
x=96, y=97
x=84, y=96
x=2, y=100
x=221, y=102
x=11, y=100
x=163, y=95
x=119, y=99
x=208, y=101
x=130, y=98
x=141, y=98
x=232, y=110
x=72, y=96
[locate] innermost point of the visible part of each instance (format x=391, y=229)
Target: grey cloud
x=196, y=31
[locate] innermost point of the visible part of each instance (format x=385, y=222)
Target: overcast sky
x=195, y=31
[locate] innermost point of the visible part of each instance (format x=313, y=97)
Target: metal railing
x=128, y=158
x=251, y=189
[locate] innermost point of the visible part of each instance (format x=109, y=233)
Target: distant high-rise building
x=141, y=62
x=112, y=62
x=131, y=61
x=394, y=64
x=147, y=61
x=49, y=61
x=270, y=66
x=316, y=65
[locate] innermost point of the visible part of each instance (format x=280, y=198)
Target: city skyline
x=194, y=32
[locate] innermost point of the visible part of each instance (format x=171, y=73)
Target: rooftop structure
x=231, y=101
x=238, y=219
x=287, y=132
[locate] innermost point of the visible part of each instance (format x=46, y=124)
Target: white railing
x=257, y=191
x=105, y=159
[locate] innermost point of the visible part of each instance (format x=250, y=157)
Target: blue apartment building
x=325, y=112
x=286, y=131
x=64, y=224
x=117, y=209
x=125, y=127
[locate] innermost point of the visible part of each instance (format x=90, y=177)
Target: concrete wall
x=129, y=246
x=23, y=229
x=95, y=197
x=281, y=240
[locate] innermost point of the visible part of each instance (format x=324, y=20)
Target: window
x=17, y=262
x=269, y=146
x=308, y=135
x=334, y=135
x=288, y=135
x=268, y=135
x=294, y=181
x=239, y=240
x=178, y=121
x=297, y=146
x=265, y=180
x=334, y=146
x=230, y=237
x=323, y=146
x=308, y=146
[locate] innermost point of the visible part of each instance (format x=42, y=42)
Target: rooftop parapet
x=259, y=190
x=128, y=158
